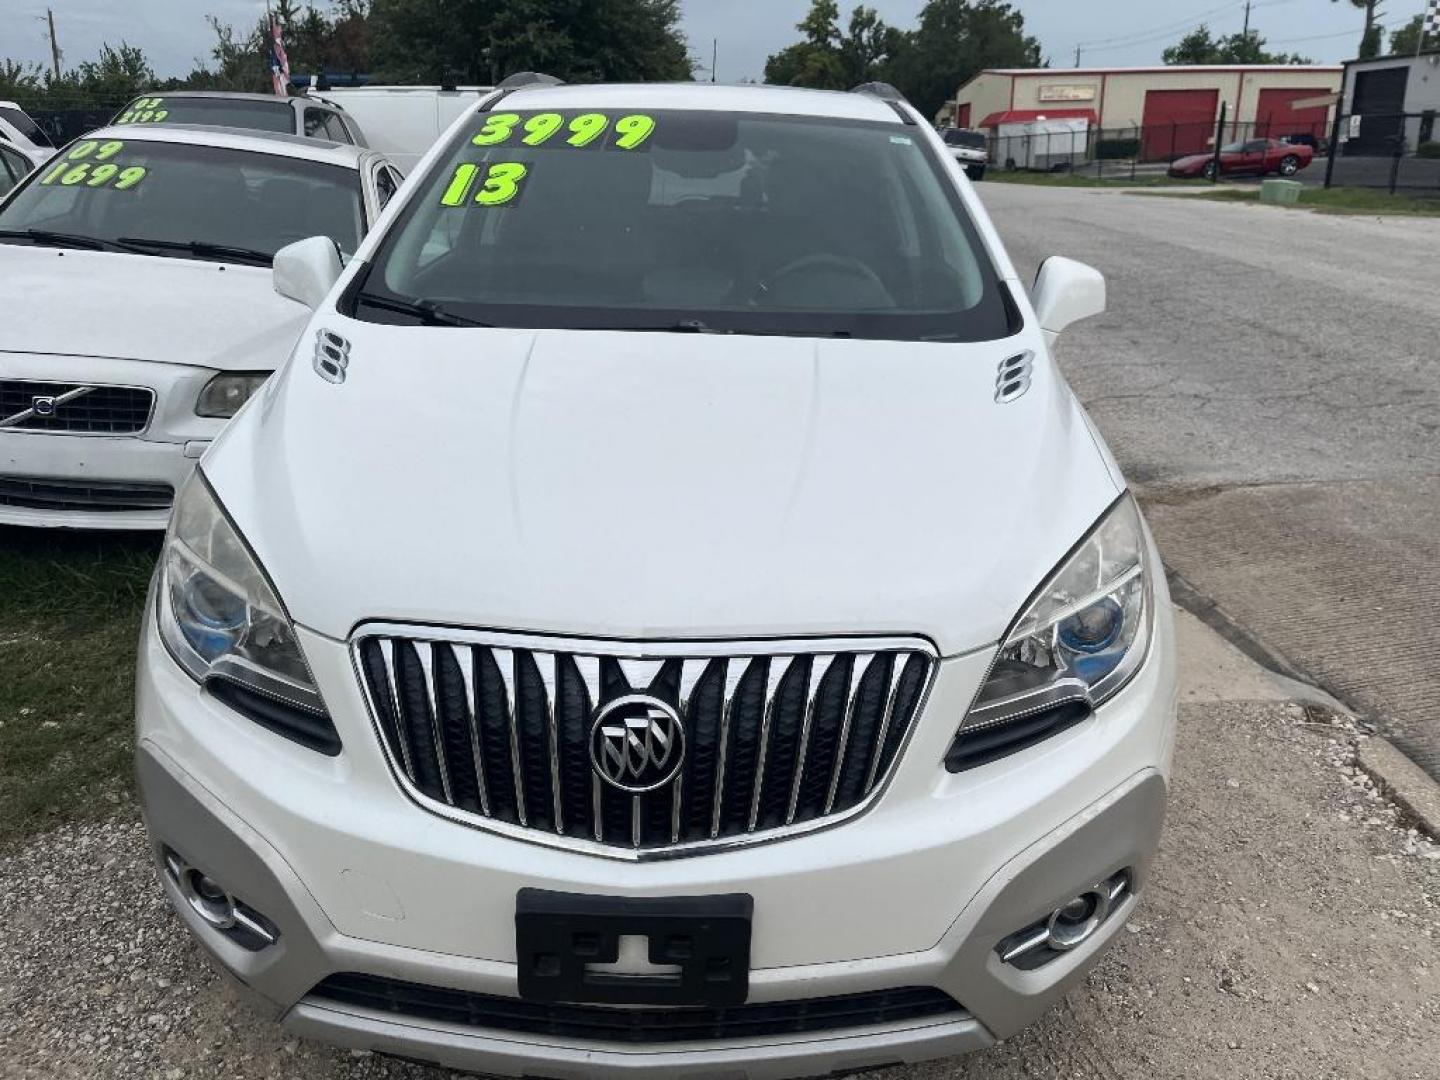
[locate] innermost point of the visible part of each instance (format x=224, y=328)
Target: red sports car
x=1259, y=156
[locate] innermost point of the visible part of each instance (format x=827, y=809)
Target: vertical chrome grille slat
x=779, y=668
x=897, y=672
x=819, y=666
x=387, y=652
x=465, y=658
x=847, y=728
x=852, y=699
x=508, y=662
x=551, y=679
x=426, y=651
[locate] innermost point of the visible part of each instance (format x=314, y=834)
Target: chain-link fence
x=1157, y=150
x=1399, y=152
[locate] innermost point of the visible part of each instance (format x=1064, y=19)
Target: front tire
x=1289, y=165
x=975, y=172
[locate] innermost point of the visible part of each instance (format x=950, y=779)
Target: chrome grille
x=496, y=730
x=75, y=408
x=96, y=496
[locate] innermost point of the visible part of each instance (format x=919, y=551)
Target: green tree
x=1406, y=41
x=956, y=40
x=831, y=60
x=482, y=41
x=1199, y=47
x=1372, y=37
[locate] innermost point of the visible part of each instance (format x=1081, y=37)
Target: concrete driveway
x=1270, y=382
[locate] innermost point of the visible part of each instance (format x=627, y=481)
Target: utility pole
x=54, y=45
x=1077, y=56
x=1246, y=32
x=714, y=57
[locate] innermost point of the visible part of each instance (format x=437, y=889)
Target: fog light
x=231, y=917
x=208, y=899
x=1073, y=924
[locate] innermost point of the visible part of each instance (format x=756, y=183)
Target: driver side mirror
x=306, y=269
x=1065, y=292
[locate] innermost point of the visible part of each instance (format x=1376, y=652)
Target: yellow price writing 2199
x=586, y=129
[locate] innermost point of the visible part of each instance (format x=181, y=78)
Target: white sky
x=1112, y=32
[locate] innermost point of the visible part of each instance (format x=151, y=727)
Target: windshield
x=113, y=190
x=25, y=126
x=277, y=115
x=740, y=223
x=973, y=139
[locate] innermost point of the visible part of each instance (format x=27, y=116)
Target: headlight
x=1076, y=643
x=224, y=394
x=223, y=623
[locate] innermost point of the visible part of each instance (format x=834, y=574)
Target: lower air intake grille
x=633, y=750
x=594, y=1023
x=94, y=496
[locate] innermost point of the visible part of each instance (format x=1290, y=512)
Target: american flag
x=280, y=63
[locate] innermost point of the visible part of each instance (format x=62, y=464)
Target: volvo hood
x=140, y=307
x=660, y=486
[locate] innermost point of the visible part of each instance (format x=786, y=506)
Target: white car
x=670, y=618
x=18, y=129
x=136, y=268
x=970, y=148
x=308, y=115
x=15, y=165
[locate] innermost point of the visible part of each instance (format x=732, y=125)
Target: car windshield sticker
x=501, y=186
x=145, y=111
x=90, y=163
x=556, y=130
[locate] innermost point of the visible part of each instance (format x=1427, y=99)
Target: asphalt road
x=1269, y=380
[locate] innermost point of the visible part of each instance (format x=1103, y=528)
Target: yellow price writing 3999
x=587, y=129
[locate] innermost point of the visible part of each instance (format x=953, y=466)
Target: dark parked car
x=1258, y=156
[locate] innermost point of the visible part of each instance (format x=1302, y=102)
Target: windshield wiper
x=427, y=311
x=57, y=239
x=696, y=326
x=203, y=249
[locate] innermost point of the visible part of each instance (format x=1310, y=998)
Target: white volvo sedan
x=671, y=617
x=136, y=268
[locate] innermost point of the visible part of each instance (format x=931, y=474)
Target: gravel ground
x=1292, y=930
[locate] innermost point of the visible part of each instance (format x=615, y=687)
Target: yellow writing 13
x=628, y=132
x=501, y=186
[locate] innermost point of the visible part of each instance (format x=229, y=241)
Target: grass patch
x=70, y=607
x=1080, y=180
x=1332, y=201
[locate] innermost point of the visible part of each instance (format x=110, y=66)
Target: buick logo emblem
x=637, y=743
x=42, y=406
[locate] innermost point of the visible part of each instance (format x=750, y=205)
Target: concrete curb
x=1402, y=781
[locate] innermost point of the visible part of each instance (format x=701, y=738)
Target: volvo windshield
x=691, y=222
x=184, y=200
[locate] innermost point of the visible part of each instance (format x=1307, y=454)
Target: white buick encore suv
x=670, y=615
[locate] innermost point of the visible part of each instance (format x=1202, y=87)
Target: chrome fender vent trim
x=332, y=356
x=1012, y=379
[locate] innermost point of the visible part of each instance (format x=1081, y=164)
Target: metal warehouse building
x=1172, y=110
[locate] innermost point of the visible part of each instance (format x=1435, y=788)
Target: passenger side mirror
x=306, y=269
x=1065, y=292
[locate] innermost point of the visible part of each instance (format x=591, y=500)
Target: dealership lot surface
x=1268, y=380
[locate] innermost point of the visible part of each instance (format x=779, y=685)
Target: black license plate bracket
x=703, y=941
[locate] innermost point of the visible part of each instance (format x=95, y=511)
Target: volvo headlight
x=1076, y=643
x=221, y=620
x=224, y=394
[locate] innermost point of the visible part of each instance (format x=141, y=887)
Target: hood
x=660, y=486
x=141, y=307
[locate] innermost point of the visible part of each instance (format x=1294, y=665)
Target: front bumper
x=163, y=454
x=917, y=892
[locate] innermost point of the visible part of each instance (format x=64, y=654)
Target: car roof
x=232, y=95
x=258, y=142
x=783, y=100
